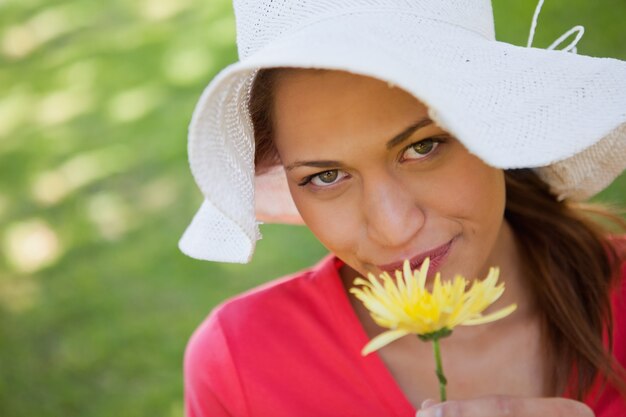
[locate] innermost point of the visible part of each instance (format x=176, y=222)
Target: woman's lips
x=437, y=257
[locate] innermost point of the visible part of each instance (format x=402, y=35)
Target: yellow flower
x=407, y=307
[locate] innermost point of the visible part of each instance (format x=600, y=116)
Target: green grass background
x=95, y=98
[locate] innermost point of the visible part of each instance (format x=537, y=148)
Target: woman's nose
x=392, y=213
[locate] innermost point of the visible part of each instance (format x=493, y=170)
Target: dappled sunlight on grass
x=110, y=214
x=19, y=40
x=15, y=109
x=62, y=106
x=18, y=293
x=158, y=194
x=176, y=409
x=4, y=204
x=31, y=245
x=156, y=10
x=79, y=74
x=96, y=301
x=187, y=65
x=133, y=104
x=221, y=31
x=50, y=187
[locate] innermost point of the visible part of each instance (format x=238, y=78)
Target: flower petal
x=382, y=340
x=496, y=315
x=423, y=272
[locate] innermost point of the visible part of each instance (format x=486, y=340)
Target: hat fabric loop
x=580, y=31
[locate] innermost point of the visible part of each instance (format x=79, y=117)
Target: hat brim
x=513, y=107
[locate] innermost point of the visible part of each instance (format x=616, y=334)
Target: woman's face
x=377, y=182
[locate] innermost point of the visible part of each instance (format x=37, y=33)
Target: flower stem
x=439, y=370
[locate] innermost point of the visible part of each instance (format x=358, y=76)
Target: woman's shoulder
x=273, y=304
x=250, y=330
x=278, y=296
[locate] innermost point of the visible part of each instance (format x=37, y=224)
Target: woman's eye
x=421, y=149
x=326, y=178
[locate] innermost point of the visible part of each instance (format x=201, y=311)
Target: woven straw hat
x=512, y=106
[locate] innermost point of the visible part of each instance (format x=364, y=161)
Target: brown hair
x=572, y=266
x=261, y=111
x=570, y=262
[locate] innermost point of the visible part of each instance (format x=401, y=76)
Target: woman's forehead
x=312, y=102
x=305, y=86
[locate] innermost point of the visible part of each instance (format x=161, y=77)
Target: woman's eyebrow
x=399, y=138
x=314, y=164
x=402, y=136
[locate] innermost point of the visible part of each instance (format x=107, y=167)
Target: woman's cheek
x=334, y=223
x=481, y=193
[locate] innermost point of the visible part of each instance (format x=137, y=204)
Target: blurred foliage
x=96, y=301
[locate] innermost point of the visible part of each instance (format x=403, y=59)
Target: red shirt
x=292, y=348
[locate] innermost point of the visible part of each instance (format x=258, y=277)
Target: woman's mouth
x=437, y=256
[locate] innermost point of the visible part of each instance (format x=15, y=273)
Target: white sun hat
x=514, y=107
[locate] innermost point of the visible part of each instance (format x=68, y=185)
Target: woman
x=379, y=176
